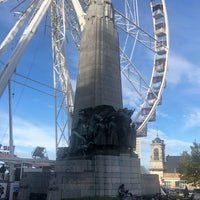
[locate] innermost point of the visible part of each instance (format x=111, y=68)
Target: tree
x=189, y=165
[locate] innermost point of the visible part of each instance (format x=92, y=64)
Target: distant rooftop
x=157, y=140
x=172, y=163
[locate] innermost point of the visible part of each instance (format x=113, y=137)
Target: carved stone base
x=99, y=176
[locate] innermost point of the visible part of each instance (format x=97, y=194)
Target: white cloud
x=192, y=119
x=182, y=70
x=176, y=147
x=162, y=114
x=130, y=97
x=27, y=136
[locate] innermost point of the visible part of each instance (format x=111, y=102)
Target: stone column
x=99, y=78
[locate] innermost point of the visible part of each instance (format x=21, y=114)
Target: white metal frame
x=63, y=101
x=71, y=13
x=164, y=73
x=28, y=33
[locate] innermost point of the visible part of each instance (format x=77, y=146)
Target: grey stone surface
x=34, y=182
x=150, y=184
x=103, y=179
x=98, y=84
x=90, y=179
x=99, y=79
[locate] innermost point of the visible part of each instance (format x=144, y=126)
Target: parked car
x=196, y=194
x=171, y=191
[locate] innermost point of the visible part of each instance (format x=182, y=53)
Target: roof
x=143, y=170
x=171, y=164
x=158, y=140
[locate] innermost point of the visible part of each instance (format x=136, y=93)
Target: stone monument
x=100, y=155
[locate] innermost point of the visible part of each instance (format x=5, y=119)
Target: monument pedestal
x=101, y=128
x=100, y=175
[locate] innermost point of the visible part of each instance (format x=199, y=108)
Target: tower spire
x=157, y=133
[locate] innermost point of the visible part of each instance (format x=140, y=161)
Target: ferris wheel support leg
x=61, y=73
x=16, y=28
x=27, y=35
x=80, y=13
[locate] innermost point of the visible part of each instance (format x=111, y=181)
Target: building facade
x=165, y=166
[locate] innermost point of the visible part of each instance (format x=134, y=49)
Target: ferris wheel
x=145, y=81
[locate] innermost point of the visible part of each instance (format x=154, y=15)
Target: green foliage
x=189, y=166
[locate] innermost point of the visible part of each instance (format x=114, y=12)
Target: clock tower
x=157, y=160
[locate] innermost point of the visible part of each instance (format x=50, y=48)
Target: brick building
x=165, y=166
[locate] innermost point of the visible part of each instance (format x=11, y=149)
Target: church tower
x=157, y=160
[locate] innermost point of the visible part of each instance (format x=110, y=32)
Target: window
x=177, y=184
x=156, y=154
x=167, y=184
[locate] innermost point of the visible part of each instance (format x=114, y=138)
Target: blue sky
x=178, y=118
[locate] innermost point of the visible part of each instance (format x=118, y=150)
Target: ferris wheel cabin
x=154, y=94
x=160, y=64
x=158, y=11
x=160, y=29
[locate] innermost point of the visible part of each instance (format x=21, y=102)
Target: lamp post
x=11, y=146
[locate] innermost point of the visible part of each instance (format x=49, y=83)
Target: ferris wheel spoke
x=27, y=35
x=79, y=12
x=135, y=69
x=9, y=38
x=73, y=24
x=61, y=73
x=122, y=22
x=134, y=85
x=128, y=24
